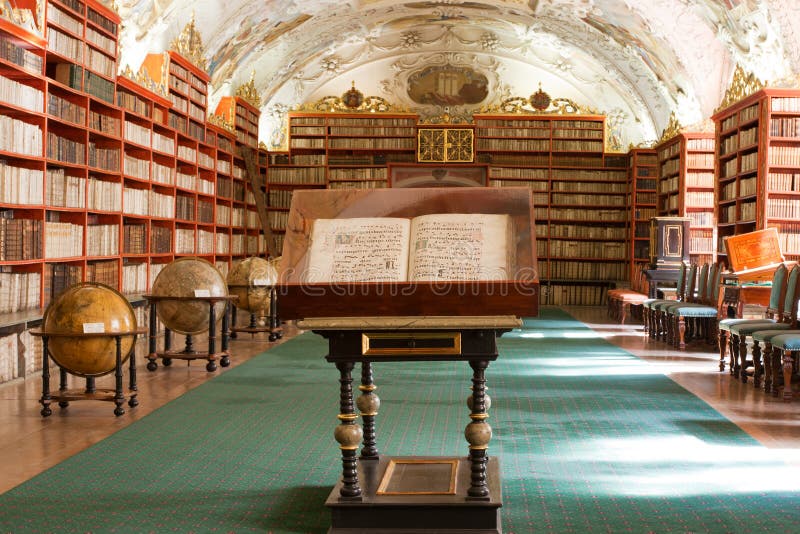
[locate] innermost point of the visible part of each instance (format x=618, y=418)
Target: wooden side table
x=64, y=395
x=428, y=494
x=189, y=352
x=273, y=323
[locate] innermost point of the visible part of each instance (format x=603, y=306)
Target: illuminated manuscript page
x=359, y=250
x=460, y=246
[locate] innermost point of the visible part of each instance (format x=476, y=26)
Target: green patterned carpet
x=589, y=437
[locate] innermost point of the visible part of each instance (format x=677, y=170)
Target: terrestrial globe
x=188, y=277
x=251, y=281
x=84, y=304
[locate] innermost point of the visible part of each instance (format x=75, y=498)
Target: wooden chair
x=783, y=319
x=776, y=297
x=658, y=309
x=696, y=320
x=622, y=301
x=648, y=311
x=784, y=347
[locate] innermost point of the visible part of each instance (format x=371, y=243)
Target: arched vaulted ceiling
x=633, y=60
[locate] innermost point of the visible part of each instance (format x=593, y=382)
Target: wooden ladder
x=250, y=157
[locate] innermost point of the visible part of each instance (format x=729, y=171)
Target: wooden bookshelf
x=758, y=167
x=643, y=201
x=686, y=188
x=104, y=178
x=580, y=197
x=240, y=117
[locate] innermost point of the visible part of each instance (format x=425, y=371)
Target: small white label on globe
x=202, y=293
x=94, y=328
x=260, y=281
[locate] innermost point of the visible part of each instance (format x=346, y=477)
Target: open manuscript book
x=435, y=247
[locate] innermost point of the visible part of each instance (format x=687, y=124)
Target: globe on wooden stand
x=89, y=330
x=253, y=282
x=189, y=296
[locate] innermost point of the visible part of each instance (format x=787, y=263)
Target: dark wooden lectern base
x=432, y=495
x=410, y=507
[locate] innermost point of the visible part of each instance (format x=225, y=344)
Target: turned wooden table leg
x=119, y=395
x=368, y=404
x=132, y=386
x=348, y=433
x=478, y=433
x=46, y=398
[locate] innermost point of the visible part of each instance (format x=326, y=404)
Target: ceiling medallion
x=742, y=85
x=189, y=44
x=672, y=129
x=249, y=93
x=353, y=98
x=540, y=100
x=447, y=85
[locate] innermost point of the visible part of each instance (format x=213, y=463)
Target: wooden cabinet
x=758, y=167
x=686, y=188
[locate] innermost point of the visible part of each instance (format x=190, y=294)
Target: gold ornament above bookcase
x=249, y=93
x=143, y=78
x=189, y=44
x=541, y=103
x=336, y=104
x=743, y=84
x=674, y=127
x=219, y=120
x=25, y=18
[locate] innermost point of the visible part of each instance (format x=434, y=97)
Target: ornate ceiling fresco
x=635, y=61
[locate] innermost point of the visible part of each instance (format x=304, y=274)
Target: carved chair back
x=777, y=293
x=691, y=283
x=702, y=283
x=789, y=312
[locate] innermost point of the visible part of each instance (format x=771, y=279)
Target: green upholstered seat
x=748, y=329
x=780, y=288
x=726, y=324
x=786, y=341
x=694, y=311
x=765, y=336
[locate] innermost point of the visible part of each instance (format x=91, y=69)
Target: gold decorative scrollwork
x=520, y=105
x=335, y=104
x=443, y=145
x=144, y=79
x=219, y=120
x=189, y=44
x=31, y=20
x=249, y=93
x=743, y=84
x=672, y=128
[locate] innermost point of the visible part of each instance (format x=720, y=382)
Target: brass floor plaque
x=419, y=477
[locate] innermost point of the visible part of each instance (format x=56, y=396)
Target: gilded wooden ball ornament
x=348, y=436
x=478, y=434
x=368, y=404
x=88, y=307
